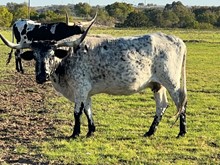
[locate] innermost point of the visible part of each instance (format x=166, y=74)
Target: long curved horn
x=12, y=45
x=76, y=42
x=67, y=18
x=89, y=22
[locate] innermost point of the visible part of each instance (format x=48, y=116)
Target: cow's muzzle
x=40, y=79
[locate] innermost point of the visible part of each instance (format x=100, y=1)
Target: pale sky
x=107, y=2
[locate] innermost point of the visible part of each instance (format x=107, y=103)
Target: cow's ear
x=27, y=55
x=60, y=53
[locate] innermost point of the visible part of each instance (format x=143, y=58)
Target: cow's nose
x=40, y=79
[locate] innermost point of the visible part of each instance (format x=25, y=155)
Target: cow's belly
x=121, y=86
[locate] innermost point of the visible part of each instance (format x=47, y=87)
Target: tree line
x=119, y=14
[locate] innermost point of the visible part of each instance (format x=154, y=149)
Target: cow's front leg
x=161, y=106
x=79, y=107
x=20, y=64
x=88, y=112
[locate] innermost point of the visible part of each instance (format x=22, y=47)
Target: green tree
x=83, y=9
x=170, y=19
x=119, y=11
x=12, y=7
x=104, y=18
x=20, y=13
x=5, y=17
x=218, y=22
x=136, y=19
x=155, y=16
x=185, y=15
x=34, y=15
x=50, y=16
x=207, y=17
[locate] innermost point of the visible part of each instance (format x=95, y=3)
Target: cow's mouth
x=41, y=79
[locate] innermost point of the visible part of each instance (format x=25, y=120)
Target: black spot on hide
x=155, y=87
x=16, y=33
x=86, y=48
x=133, y=80
x=24, y=30
x=60, y=70
x=105, y=47
x=123, y=59
x=138, y=62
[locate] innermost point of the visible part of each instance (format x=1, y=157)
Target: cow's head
x=46, y=53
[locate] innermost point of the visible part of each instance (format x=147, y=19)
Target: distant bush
x=118, y=14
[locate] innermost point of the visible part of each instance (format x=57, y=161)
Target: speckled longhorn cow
x=26, y=31
x=120, y=66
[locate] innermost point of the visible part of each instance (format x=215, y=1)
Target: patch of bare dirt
x=24, y=119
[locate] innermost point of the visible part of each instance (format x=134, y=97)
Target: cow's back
x=127, y=65
x=21, y=27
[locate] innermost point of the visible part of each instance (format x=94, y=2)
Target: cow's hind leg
x=9, y=56
x=161, y=106
x=182, y=122
x=180, y=100
x=18, y=63
x=17, y=52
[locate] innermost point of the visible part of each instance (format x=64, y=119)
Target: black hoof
x=148, y=134
x=89, y=134
x=181, y=134
x=74, y=136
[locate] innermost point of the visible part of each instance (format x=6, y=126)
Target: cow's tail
x=10, y=53
x=183, y=92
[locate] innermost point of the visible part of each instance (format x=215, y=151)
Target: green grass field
x=36, y=129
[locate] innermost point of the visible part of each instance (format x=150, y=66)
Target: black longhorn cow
x=26, y=31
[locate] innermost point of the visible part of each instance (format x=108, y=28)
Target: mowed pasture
x=35, y=120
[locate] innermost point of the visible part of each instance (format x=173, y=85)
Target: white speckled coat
x=125, y=66
x=122, y=66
